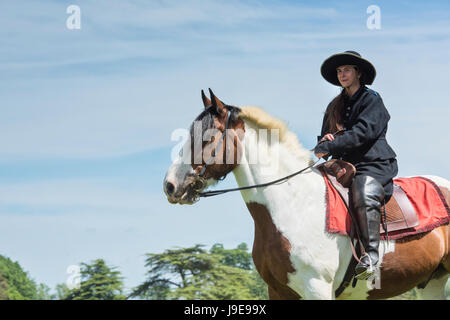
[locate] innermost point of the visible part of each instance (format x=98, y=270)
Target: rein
x=278, y=181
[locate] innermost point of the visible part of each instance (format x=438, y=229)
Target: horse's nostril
x=170, y=188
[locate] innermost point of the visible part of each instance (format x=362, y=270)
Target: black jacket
x=365, y=124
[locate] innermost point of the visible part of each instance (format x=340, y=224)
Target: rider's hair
x=333, y=114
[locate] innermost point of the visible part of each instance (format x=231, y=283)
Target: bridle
x=200, y=181
x=222, y=138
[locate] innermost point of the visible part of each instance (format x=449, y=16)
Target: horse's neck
x=296, y=207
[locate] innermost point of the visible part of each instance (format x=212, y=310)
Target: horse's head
x=211, y=152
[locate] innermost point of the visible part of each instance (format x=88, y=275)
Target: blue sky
x=86, y=115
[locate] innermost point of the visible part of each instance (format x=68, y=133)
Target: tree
x=62, y=291
x=15, y=283
x=194, y=273
x=239, y=257
x=171, y=270
x=43, y=292
x=98, y=282
x=4, y=286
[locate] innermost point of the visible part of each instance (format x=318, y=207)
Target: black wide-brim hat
x=328, y=68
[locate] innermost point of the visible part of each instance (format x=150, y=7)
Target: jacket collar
x=356, y=95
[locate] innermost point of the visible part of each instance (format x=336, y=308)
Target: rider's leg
x=367, y=198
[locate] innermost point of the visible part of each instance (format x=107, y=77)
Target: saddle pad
x=425, y=196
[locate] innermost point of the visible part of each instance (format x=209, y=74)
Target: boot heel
x=364, y=270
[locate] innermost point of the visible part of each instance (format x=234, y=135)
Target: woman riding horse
x=354, y=129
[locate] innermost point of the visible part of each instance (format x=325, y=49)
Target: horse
x=292, y=251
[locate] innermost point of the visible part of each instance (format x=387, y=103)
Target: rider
x=361, y=115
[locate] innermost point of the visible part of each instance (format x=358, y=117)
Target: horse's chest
x=271, y=250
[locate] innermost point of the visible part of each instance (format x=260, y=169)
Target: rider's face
x=348, y=76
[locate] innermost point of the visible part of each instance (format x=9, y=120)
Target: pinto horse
x=292, y=251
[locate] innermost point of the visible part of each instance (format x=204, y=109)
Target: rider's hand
x=328, y=137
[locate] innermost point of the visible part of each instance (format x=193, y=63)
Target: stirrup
x=369, y=269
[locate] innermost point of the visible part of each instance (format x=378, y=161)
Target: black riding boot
x=367, y=197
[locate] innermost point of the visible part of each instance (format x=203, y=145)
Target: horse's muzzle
x=187, y=193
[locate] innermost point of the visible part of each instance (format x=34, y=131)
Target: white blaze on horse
x=292, y=250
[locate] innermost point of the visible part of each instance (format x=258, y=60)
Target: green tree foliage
x=98, y=282
x=43, y=292
x=62, y=291
x=15, y=283
x=239, y=257
x=194, y=273
x=4, y=286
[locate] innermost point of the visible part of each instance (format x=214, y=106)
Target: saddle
x=397, y=214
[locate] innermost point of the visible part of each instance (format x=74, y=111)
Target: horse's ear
x=217, y=103
x=206, y=101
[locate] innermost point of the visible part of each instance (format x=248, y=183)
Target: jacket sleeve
x=372, y=120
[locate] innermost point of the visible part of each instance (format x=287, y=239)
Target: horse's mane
x=264, y=120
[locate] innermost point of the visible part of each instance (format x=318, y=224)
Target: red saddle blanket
x=425, y=196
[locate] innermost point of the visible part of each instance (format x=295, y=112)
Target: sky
x=86, y=115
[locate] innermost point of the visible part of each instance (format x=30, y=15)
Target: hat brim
x=329, y=66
